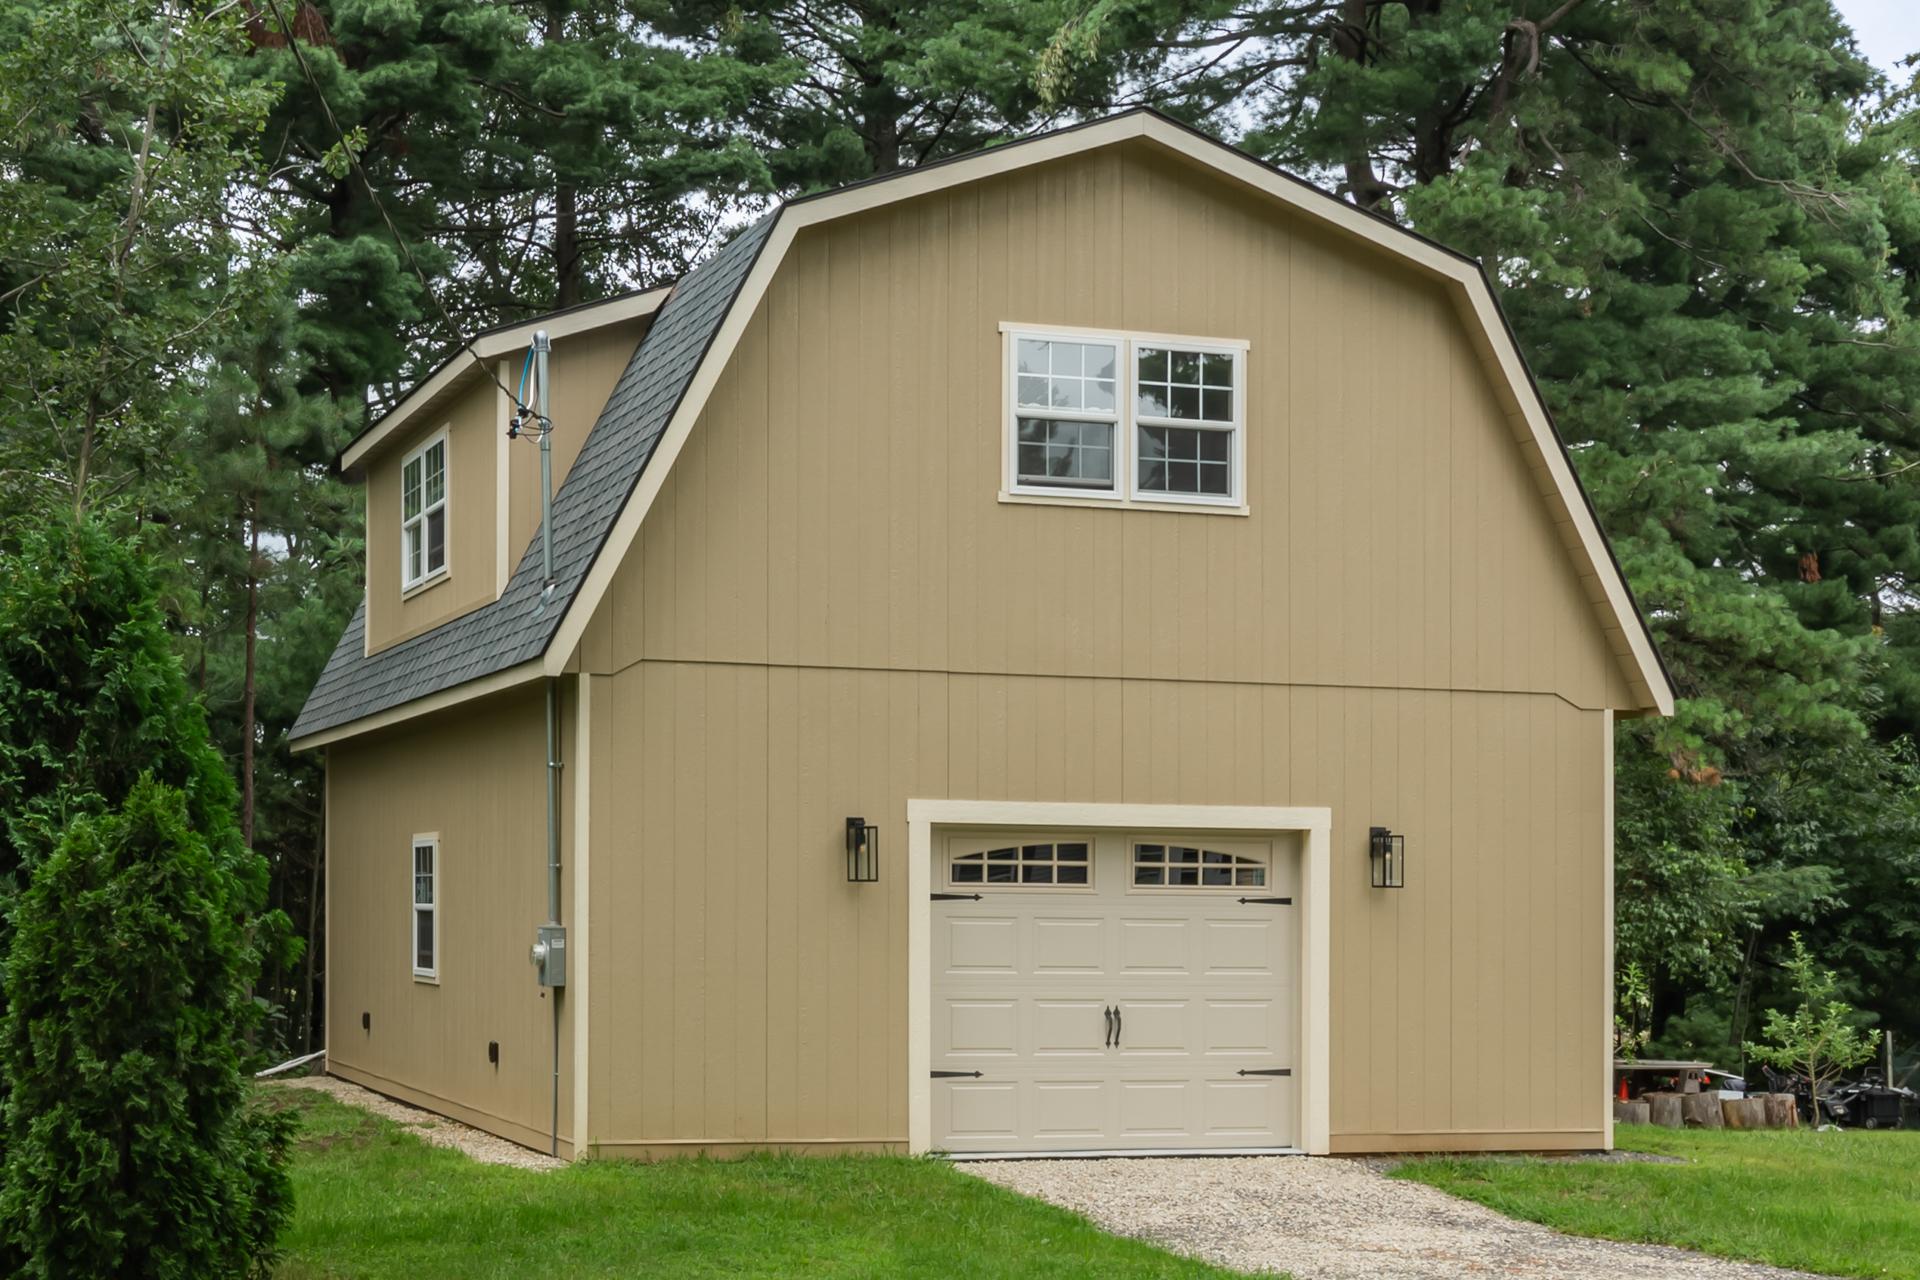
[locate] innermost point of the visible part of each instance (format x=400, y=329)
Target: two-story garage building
x=1123, y=530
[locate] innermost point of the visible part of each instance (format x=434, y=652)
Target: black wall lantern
x=1389, y=855
x=863, y=851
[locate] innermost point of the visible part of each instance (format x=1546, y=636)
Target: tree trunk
x=1350, y=42
x=247, y=689
x=884, y=139
x=566, y=209
x=566, y=248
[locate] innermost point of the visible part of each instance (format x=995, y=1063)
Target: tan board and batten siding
x=461, y=776
x=830, y=611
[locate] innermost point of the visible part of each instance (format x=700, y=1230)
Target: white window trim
x=431, y=838
x=1126, y=493
x=409, y=586
x=1316, y=913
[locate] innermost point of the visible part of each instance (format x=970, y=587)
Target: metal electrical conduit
x=550, y=940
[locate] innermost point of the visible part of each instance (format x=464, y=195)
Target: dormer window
x=423, y=513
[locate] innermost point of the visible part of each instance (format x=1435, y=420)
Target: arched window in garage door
x=1182, y=866
x=1033, y=862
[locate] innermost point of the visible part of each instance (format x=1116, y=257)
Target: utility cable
x=353, y=161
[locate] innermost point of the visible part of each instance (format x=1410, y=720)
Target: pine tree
x=881, y=85
x=505, y=159
x=119, y=260
x=272, y=544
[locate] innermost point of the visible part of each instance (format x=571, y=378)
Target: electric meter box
x=550, y=955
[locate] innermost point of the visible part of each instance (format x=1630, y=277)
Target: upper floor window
x=423, y=513
x=1125, y=417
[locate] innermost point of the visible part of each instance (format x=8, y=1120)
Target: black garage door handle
x=1269, y=1071
x=956, y=1075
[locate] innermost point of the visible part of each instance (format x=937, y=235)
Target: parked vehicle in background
x=1867, y=1103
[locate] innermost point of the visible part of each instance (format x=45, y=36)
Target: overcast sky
x=1888, y=29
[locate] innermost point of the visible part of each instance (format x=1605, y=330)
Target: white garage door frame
x=1316, y=826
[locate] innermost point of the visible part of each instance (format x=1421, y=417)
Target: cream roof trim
x=1526, y=415
x=463, y=368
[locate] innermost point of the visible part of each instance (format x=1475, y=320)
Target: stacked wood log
x=1702, y=1111
x=1665, y=1110
x=1710, y=1111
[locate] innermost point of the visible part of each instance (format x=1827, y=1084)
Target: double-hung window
x=423, y=513
x=426, y=906
x=1066, y=413
x=1126, y=418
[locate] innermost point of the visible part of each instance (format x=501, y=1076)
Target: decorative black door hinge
x=956, y=897
x=1268, y=1071
x=956, y=1075
x=1277, y=902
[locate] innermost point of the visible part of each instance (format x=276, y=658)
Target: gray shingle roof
x=505, y=633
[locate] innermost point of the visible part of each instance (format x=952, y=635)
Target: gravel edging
x=1326, y=1218
x=435, y=1130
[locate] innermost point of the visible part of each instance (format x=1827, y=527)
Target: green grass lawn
x=1844, y=1204
x=376, y=1202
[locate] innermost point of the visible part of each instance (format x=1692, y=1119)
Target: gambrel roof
x=605, y=496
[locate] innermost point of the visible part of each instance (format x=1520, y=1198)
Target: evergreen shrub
x=131, y=925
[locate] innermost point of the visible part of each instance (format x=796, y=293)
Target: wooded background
x=231, y=234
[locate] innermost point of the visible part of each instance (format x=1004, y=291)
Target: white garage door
x=1114, y=992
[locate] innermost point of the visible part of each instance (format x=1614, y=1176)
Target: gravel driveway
x=1333, y=1219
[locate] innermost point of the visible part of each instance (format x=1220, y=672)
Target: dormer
x=452, y=502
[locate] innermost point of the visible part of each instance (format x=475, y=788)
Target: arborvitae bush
x=132, y=1150
x=131, y=924
x=92, y=697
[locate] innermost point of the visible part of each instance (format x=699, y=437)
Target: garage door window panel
x=1066, y=864
x=1193, y=866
